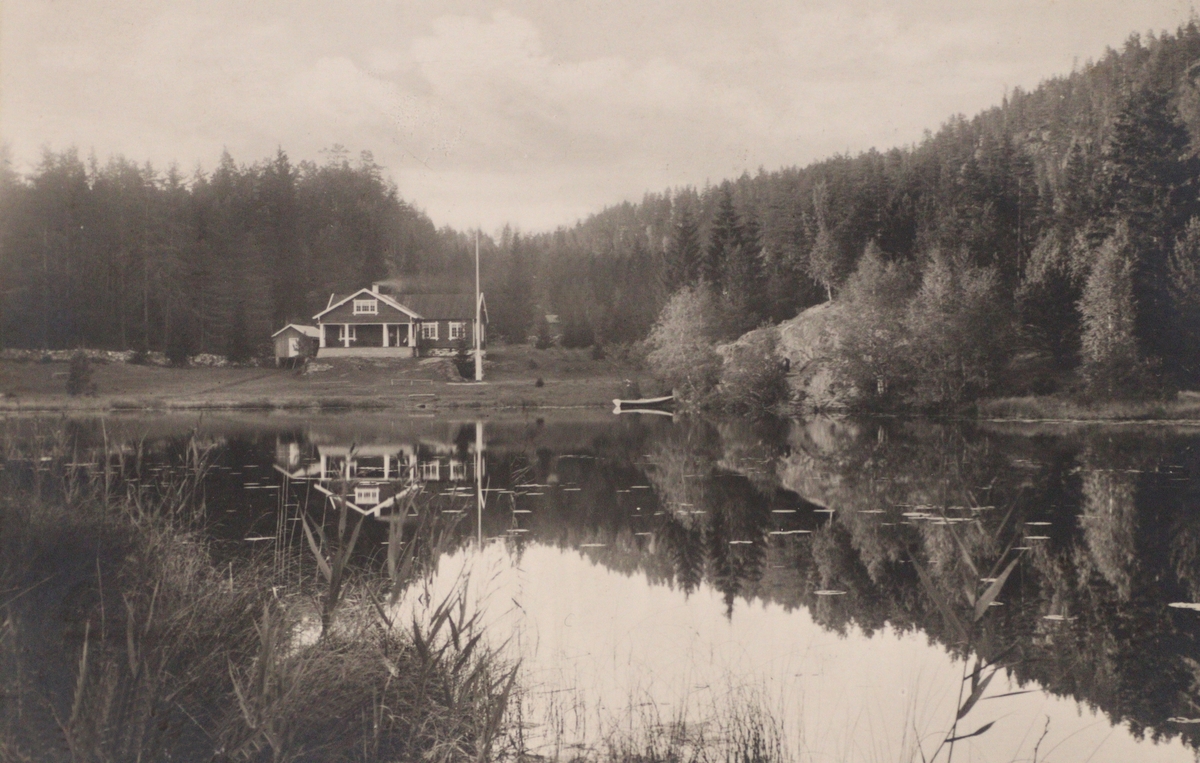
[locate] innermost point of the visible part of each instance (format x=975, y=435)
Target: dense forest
x=1058, y=226
x=121, y=256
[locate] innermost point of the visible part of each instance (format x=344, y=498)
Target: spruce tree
x=516, y=313
x=683, y=253
x=722, y=238
x=1184, y=271
x=239, y=349
x=1152, y=193
x=744, y=276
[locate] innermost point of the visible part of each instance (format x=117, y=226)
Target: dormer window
x=366, y=496
x=366, y=307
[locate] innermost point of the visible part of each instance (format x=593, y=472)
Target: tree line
x=1048, y=242
x=1057, y=229
x=122, y=256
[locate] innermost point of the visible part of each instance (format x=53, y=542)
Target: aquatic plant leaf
x=982, y=729
x=942, y=604
x=993, y=590
x=312, y=543
x=1009, y=694
x=966, y=554
x=976, y=694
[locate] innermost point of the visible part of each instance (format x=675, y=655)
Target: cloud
x=487, y=114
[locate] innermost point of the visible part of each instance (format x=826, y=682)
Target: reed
x=124, y=635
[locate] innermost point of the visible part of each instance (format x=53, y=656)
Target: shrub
x=539, y=382
x=544, y=340
x=79, y=375
x=682, y=343
x=463, y=360
x=577, y=332
x=179, y=348
x=870, y=353
x=1112, y=364
x=956, y=333
x=753, y=378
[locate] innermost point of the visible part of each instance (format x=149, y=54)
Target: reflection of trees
x=1109, y=572
x=1123, y=533
x=1122, y=541
x=715, y=523
x=1109, y=522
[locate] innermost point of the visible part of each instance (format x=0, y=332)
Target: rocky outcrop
x=806, y=342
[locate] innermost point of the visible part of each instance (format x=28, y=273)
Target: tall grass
x=122, y=637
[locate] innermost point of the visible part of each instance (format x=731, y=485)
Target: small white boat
x=656, y=404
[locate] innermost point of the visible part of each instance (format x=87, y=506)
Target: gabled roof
x=455, y=307
x=309, y=331
x=337, y=300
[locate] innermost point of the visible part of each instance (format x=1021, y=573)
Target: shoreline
x=519, y=378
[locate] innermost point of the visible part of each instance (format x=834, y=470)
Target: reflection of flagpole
x=479, y=479
x=478, y=316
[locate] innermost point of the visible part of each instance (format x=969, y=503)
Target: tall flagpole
x=478, y=316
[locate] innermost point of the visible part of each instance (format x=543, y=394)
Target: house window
x=366, y=496
x=429, y=331
x=366, y=307
x=430, y=471
x=352, y=331
x=458, y=471
x=458, y=330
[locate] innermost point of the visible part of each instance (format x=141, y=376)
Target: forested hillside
x=1057, y=222
x=1060, y=219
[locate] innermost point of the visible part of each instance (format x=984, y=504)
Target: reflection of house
x=374, y=323
x=369, y=476
x=406, y=462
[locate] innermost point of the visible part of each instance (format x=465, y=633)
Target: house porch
x=365, y=352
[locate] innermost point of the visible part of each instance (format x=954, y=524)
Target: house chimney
x=375, y=287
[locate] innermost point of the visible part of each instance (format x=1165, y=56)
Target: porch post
x=346, y=335
x=385, y=335
x=321, y=334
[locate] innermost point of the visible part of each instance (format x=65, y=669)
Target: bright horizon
x=529, y=113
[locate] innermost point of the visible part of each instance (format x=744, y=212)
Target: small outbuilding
x=294, y=343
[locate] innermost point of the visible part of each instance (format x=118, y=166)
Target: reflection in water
x=639, y=554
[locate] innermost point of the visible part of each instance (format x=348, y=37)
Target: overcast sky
x=537, y=112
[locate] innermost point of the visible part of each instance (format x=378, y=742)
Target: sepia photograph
x=599, y=382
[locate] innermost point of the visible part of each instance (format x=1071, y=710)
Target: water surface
x=826, y=573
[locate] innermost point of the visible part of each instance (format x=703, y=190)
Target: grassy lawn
x=571, y=378
x=1185, y=407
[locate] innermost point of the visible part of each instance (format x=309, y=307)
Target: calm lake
x=859, y=585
